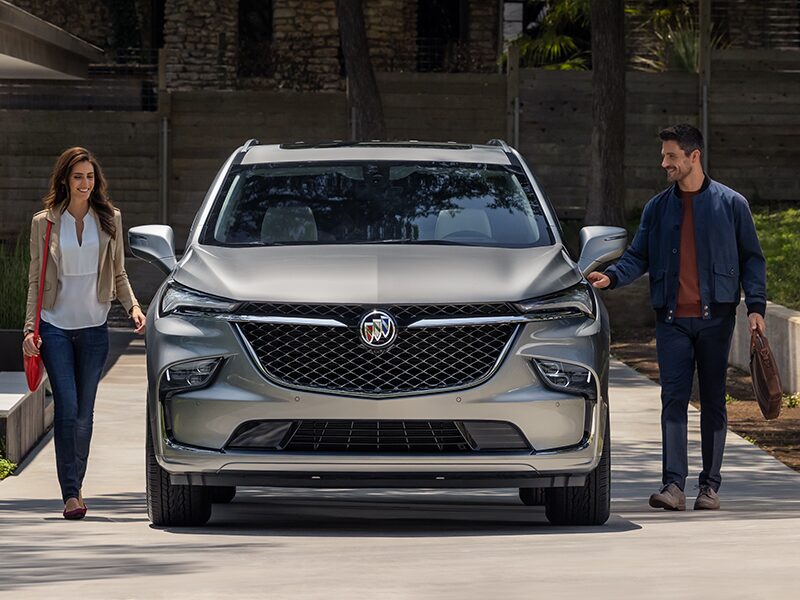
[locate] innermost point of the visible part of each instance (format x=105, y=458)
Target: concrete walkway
x=282, y=543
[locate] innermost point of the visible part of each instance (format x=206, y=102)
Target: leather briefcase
x=766, y=380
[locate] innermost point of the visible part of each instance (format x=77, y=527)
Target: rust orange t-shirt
x=688, y=304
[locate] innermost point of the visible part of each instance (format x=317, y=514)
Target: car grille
x=333, y=359
x=351, y=313
x=377, y=436
x=388, y=436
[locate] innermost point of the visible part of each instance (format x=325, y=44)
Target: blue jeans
x=681, y=345
x=74, y=359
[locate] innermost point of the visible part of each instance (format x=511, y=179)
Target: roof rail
x=375, y=144
x=499, y=142
x=250, y=142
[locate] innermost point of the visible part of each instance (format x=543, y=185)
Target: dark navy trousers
x=74, y=359
x=682, y=345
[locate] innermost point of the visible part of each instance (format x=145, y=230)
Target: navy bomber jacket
x=728, y=252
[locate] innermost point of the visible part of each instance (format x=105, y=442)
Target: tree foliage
x=559, y=37
x=674, y=36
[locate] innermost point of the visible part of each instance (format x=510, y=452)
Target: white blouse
x=76, y=305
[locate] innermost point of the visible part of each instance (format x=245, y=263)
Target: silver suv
x=377, y=315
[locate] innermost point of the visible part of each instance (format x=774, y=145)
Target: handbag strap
x=758, y=343
x=41, y=280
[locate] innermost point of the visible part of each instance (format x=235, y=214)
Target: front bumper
x=565, y=431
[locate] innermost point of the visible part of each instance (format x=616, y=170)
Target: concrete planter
x=783, y=332
x=11, y=350
x=24, y=415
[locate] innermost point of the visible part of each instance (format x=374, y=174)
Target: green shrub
x=14, y=263
x=6, y=468
x=780, y=242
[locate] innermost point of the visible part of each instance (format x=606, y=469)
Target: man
x=698, y=242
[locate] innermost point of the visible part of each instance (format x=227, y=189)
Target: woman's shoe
x=75, y=514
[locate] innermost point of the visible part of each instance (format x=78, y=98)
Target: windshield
x=370, y=203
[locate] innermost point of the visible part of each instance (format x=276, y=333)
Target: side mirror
x=599, y=245
x=154, y=244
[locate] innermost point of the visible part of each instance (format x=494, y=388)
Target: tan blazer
x=112, y=280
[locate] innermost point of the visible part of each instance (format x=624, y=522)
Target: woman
x=85, y=272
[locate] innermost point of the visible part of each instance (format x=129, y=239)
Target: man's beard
x=675, y=175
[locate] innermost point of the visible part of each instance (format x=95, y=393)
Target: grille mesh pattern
x=377, y=436
x=351, y=313
x=333, y=358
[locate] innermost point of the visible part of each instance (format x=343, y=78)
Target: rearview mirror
x=599, y=245
x=154, y=244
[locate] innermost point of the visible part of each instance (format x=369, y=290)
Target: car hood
x=377, y=274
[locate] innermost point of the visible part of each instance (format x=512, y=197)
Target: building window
x=255, y=38
x=442, y=31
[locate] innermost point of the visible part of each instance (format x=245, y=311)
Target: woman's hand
x=139, y=320
x=31, y=347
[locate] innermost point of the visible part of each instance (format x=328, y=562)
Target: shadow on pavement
x=77, y=553
x=384, y=513
x=754, y=485
x=129, y=506
x=121, y=343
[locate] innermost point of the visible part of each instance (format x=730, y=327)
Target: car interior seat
x=289, y=223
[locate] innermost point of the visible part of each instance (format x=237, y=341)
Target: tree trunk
x=606, y=204
x=365, y=100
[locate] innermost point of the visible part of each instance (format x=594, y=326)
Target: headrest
x=462, y=219
x=288, y=223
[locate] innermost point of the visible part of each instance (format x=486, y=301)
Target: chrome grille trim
x=446, y=322
x=351, y=313
x=280, y=320
x=467, y=321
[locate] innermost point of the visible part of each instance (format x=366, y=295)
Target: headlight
x=184, y=300
x=577, y=301
x=566, y=377
x=189, y=375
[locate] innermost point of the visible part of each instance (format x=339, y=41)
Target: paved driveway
x=282, y=543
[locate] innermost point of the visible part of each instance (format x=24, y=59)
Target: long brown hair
x=58, y=195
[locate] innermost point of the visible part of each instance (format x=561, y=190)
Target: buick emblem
x=377, y=329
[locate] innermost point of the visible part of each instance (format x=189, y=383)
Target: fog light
x=566, y=377
x=190, y=375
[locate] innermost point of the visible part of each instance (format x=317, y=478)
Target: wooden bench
x=24, y=415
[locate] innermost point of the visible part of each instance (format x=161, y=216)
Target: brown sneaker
x=671, y=497
x=707, y=499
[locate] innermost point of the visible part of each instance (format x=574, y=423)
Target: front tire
x=587, y=505
x=172, y=505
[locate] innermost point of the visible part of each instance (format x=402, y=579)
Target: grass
x=730, y=399
x=14, y=262
x=780, y=242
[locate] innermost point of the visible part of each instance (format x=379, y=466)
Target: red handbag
x=34, y=368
